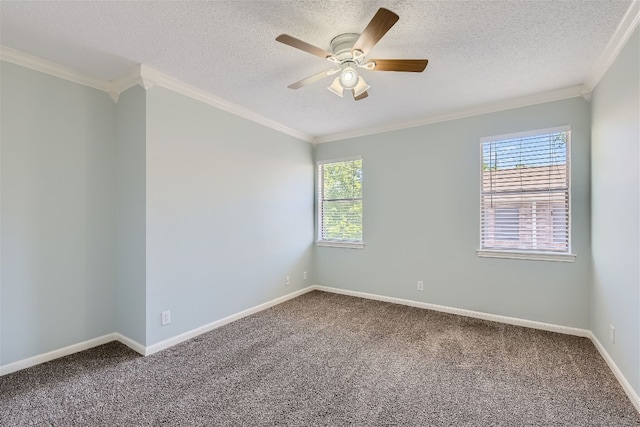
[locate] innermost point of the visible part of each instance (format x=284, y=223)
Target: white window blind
x=525, y=192
x=340, y=201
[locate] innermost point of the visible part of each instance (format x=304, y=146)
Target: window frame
x=319, y=188
x=523, y=253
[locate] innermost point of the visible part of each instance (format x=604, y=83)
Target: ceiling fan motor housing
x=341, y=46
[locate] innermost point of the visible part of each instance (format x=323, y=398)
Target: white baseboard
x=133, y=345
x=55, y=354
x=213, y=325
x=633, y=396
x=462, y=312
x=147, y=350
x=136, y=346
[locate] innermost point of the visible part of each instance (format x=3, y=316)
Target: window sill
x=336, y=244
x=535, y=256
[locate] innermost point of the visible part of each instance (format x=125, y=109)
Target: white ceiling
x=480, y=52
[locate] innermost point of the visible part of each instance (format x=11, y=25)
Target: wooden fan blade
x=382, y=21
x=299, y=44
x=313, y=79
x=411, y=65
x=363, y=95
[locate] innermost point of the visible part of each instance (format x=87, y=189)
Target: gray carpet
x=330, y=360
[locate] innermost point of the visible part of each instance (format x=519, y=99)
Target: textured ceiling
x=479, y=52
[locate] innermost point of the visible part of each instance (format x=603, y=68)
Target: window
x=560, y=226
x=507, y=224
x=525, y=195
x=340, y=203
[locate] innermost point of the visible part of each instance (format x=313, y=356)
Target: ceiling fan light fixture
x=349, y=51
x=349, y=77
x=336, y=87
x=361, y=87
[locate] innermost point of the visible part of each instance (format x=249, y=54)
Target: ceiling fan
x=348, y=54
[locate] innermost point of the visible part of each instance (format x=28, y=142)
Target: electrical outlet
x=165, y=317
x=287, y=281
x=304, y=276
x=612, y=334
x=420, y=285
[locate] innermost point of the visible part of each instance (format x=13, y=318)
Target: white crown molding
x=153, y=77
x=51, y=68
x=622, y=34
x=524, y=101
x=124, y=82
x=149, y=77
x=146, y=77
x=140, y=75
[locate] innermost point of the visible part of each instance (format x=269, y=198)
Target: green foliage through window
x=340, y=201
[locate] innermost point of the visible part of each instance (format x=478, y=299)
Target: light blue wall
x=58, y=222
x=421, y=221
x=616, y=212
x=112, y=213
x=130, y=207
x=229, y=213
